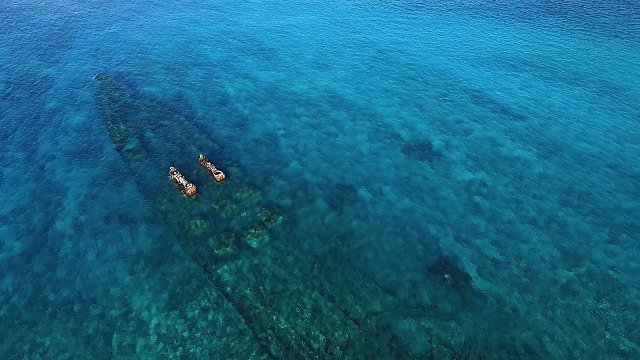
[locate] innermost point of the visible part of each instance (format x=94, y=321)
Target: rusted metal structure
x=187, y=188
x=211, y=169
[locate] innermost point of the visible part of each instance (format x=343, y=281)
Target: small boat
x=187, y=188
x=210, y=168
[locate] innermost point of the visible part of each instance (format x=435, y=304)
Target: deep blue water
x=500, y=139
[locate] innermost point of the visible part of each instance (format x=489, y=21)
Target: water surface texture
x=405, y=180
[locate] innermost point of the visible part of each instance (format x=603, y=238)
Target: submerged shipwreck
x=291, y=305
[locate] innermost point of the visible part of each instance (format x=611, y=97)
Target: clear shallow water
x=500, y=139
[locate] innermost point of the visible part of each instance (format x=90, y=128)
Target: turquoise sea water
x=476, y=166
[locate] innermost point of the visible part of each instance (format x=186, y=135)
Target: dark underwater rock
x=450, y=275
x=342, y=195
x=486, y=101
x=421, y=150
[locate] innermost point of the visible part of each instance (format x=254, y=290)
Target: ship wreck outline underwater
x=302, y=310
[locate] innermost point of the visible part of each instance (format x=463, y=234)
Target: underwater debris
x=223, y=245
x=270, y=217
x=196, y=227
x=211, y=169
x=133, y=147
x=245, y=193
x=226, y=208
x=256, y=237
x=187, y=188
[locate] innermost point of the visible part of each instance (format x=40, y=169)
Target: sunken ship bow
x=226, y=217
x=295, y=305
